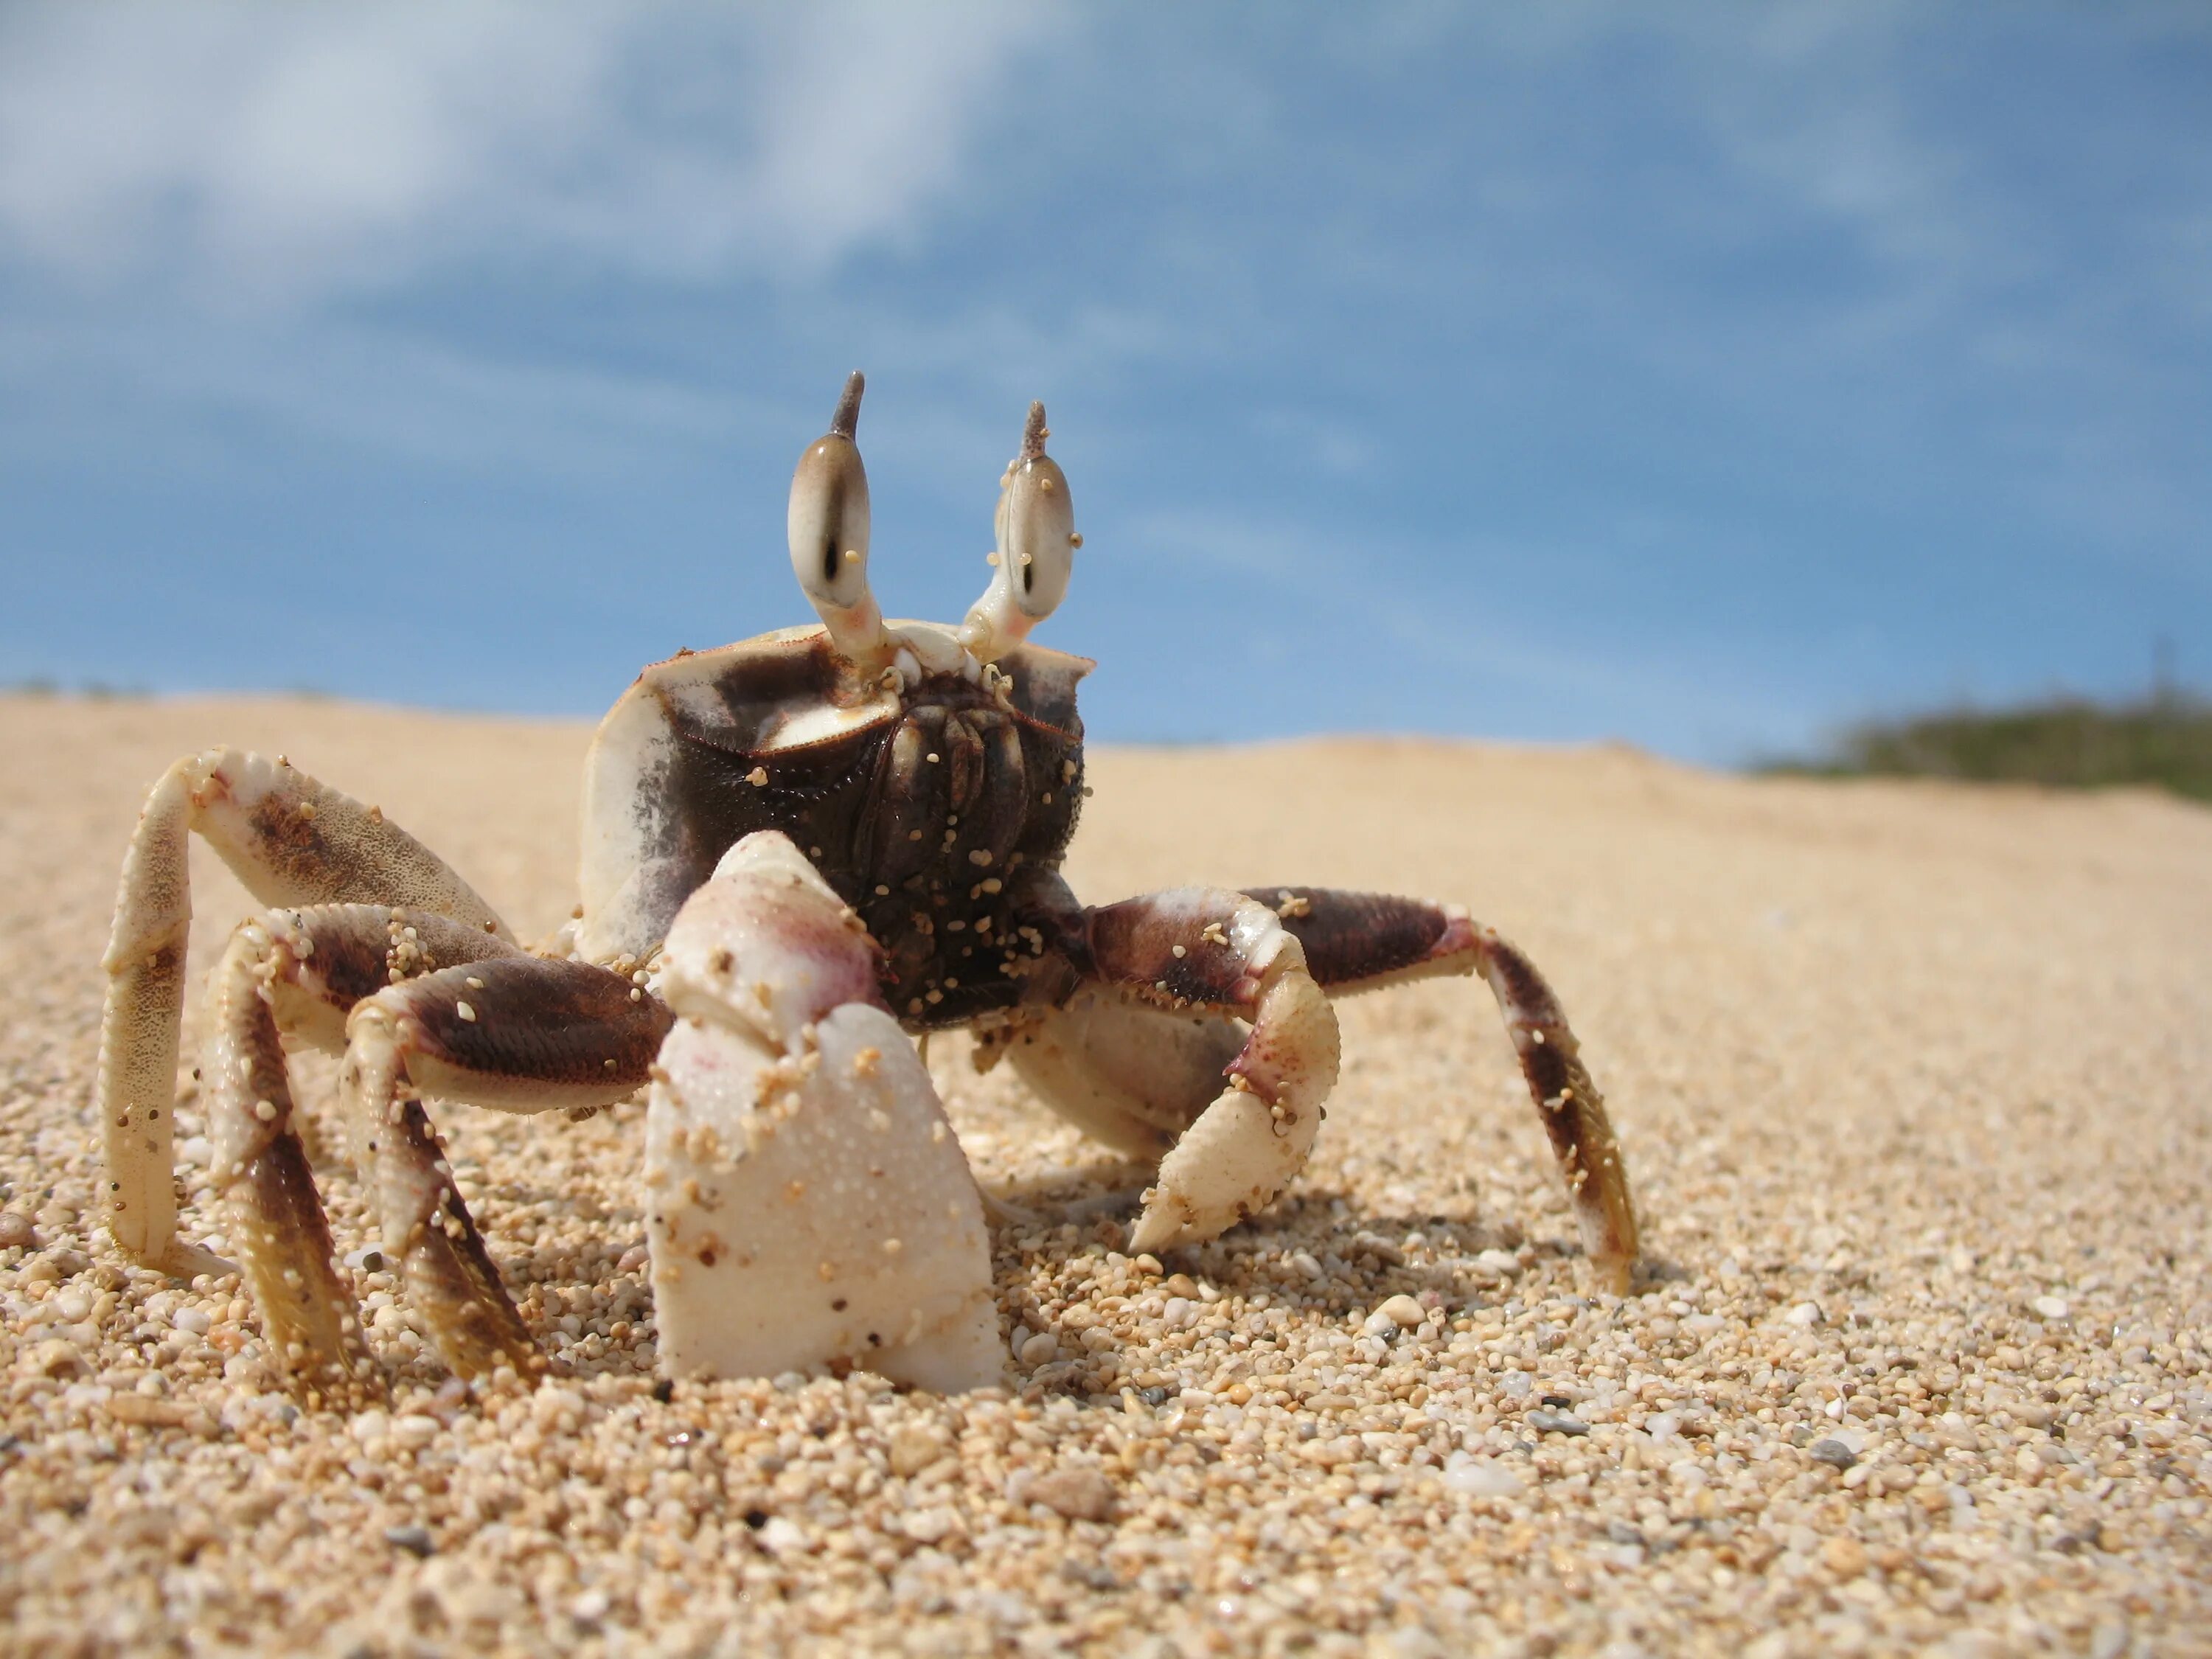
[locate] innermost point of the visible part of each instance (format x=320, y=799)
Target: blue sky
x=1560, y=373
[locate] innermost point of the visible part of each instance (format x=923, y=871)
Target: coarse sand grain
x=1915, y=1087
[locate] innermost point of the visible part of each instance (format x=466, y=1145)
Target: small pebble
x=1399, y=1313
x=913, y=1449
x=1481, y=1477
x=1805, y=1314
x=16, y=1233
x=1845, y=1557
x=1547, y=1422
x=1079, y=1494
x=1834, y=1453
x=783, y=1537
x=415, y=1539
x=2051, y=1307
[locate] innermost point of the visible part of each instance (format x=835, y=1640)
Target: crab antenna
x=1037, y=549
x=847, y=421
x=828, y=530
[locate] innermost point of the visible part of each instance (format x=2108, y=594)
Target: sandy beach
x=1915, y=1082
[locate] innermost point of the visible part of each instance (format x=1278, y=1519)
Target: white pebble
x=1401, y=1311
x=931, y=1526
x=2051, y=1307
x=415, y=1431
x=1040, y=1350
x=1805, y=1313
x=1499, y=1264
x=1179, y=1312
x=192, y=1320
x=1479, y=1476
x=781, y=1537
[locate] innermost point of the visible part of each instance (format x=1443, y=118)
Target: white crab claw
x=809, y=1207
x=1245, y=1148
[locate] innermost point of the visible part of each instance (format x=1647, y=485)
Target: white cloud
x=269, y=151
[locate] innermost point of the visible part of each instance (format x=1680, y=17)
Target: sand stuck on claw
x=1915, y=1082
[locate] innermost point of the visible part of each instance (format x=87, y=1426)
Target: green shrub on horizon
x=2068, y=743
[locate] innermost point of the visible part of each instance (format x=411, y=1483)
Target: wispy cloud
x=269, y=151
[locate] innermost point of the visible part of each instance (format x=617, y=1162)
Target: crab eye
x=1036, y=534
x=827, y=526
x=1037, y=549
x=829, y=518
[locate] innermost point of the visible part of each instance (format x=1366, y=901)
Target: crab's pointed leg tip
x=184, y=1261
x=1153, y=1233
x=1033, y=433
x=847, y=421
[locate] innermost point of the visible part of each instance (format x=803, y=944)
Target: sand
x=1916, y=1085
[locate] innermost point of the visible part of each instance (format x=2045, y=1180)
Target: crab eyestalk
x=1037, y=549
x=829, y=530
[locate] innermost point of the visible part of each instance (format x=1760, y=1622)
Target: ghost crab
x=800, y=852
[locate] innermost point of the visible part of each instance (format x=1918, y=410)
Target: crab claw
x=809, y=1207
x=1246, y=1146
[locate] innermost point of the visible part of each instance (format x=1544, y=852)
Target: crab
x=817, y=846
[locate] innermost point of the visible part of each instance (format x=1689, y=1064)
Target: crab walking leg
x=307, y=1312
x=1365, y=941
x=296, y=973
x=516, y=1032
x=291, y=840
x=1132, y=1075
x=1210, y=950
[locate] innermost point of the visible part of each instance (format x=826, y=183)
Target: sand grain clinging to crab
x=797, y=850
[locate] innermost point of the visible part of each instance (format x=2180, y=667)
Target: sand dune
x=1916, y=1083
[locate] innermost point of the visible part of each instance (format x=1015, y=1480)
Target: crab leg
x=1364, y=941
x=296, y=972
x=1130, y=1074
x=1208, y=950
x=291, y=840
x=517, y=1032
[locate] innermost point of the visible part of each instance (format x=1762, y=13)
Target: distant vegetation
x=2163, y=740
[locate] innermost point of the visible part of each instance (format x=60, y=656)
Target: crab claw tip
x=847, y=420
